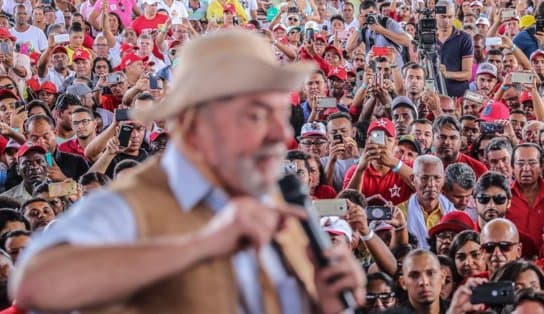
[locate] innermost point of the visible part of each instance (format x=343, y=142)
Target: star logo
x=381, y=123
x=395, y=191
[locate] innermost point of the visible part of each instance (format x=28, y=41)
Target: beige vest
x=210, y=286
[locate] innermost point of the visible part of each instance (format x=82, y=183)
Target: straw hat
x=222, y=64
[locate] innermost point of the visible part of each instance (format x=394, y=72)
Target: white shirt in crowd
x=33, y=37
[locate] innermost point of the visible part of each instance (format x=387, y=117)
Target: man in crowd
x=422, y=131
x=404, y=113
x=84, y=126
x=499, y=243
x=58, y=57
x=29, y=35
x=63, y=112
x=313, y=139
x=527, y=211
x=38, y=212
x=493, y=197
x=486, y=79
x=469, y=133
x=32, y=167
x=498, y=154
x=458, y=187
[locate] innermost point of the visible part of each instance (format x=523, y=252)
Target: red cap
x=49, y=87
x=318, y=36
x=174, y=43
x=525, y=96
x=33, y=84
x=7, y=93
x=383, y=124
x=338, y=72
x=335, y=50
x=495, y=111
x=60, y=49
x=536, y=53
x=155, y=135
x=455, y=221
x=34, y=57
x=126, y=47
x=81, y=54
x=4, y=33
x=25, y=148
x=129, y=59
x=229, y=8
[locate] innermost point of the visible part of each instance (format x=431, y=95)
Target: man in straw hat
x=198, y=230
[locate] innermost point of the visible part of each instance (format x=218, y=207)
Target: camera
x=427, y=30
x=372, y=18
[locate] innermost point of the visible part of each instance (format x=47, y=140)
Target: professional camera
x=427, y=30
x=372, y=18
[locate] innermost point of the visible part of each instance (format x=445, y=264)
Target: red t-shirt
x=476, y=165
x=142, y=24
x=110, y=102
x=13, y=310
x=323, y=192
x=72, y=147
x=390, y=186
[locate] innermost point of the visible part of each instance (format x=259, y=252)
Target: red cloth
x=110, y=102
x=476, y=165
x=13, y=310
x=88, y=41
x=72, y=147
x=528, y=219
x=292, y=144
x=142, y=24
x=390, y=186
x=324, y=192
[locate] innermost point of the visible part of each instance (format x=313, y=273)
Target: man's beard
x=83, y=137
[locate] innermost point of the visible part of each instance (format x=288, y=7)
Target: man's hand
x=397, y=220
x=244, y=223
x=460, y=302
x=352, y=150
x=55, y=174
x=336, y=151
x=18, y=118
x=386, y=156
x=377, y=28
x=112, y=147
x=356, y=217
x=540, y=37
x=342, y=274
x=444, y=71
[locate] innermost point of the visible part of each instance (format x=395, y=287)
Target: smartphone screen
x=121, y=115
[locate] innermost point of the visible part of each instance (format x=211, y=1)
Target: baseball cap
x=487, y=68
x=527, y=21
x=79, y=89
x=34, y=57
x=383, y=124
x=494, y=111
x=336, y=226
x=525, y=96
x=28, y=147
x=483, y=20
x=294, y=28
x=338, y=72
x=129, y=59
x=13, y=144
x=455, y=221
x=278, y=26
x=412, y=141
x=156, y=134
x=318, y=36
x=49, y=87
x=59, y=49
x=81, y=54
x=476, y=3
x=403, y=101
x=536, y=53
x=313, y=129
x=150, y=2
x=5, y=34
x=126, y=47
x=6, y=93
x=229, y=8
x=334, y=49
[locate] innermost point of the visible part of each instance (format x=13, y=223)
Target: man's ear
x=402, y=282
x=413, y=179
x=519, y=250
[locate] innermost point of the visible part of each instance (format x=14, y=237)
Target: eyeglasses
x=498, y=199
x=530, y=163
x=83, y=122
x=315, y=143
x=446, y=235
x=173, y=52
x=8, y=86
x=371, y=298
x=504, y=246
x=359, y=60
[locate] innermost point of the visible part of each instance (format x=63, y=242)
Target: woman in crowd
x=524, y=274
x=318, y=187
x=465, y=253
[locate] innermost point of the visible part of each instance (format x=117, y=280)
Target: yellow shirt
x=215, y=10
x=431, y=219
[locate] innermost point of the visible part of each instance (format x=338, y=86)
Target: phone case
x=59, y=189
x=522, y=77
x=332, y=207
x=494, y=293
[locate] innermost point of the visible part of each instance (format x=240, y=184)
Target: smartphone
x=326, y=102
x=491, y=128
x=440, y=9
x=49, y=159
x=292, y=10
x=153, y=82
x=380, y=51
x=341, y=35
x=309, y=35
x=522, y=77
x=4, y=48
x=508, y=14
x=331, y=207
x=372, y=65
x=359, y=78
x=113, y=78
x=494, y=293
x=124, y=135
x=338, y=139
x=379, y=212
x=474, y=96
x=429, y=85
x=540, y=24
x=121, y=115
x=61, y=38
x=493, y=41
x=377, y=137
x=289, y=167
x=59, y=189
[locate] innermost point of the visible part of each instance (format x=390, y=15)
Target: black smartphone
x=309, y=35
x=491, y=128
x=372, y=65
x=124, y=134
x=494, y=293
x=379, y=213
x=121, y=115
x=540, y=24
x=338, y=139
x=291, y=10
x=153, y=82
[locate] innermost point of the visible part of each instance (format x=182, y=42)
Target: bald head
x=499, y=243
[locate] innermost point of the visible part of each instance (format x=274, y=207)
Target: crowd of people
x=422, y=155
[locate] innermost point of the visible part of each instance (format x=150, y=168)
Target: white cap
x=483, y=20
x=150, y=2
x=337, y=226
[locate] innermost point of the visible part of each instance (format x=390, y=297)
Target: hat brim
x=235, y=77
x=448, y=226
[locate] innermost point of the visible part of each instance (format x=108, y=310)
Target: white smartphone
x=493, y=41
x=377, y=137
x=429, y=85
x=326, y=102
x=508, y=14
x=522, y=77
x=331, y=207
x=61, y=38
x=474, y=96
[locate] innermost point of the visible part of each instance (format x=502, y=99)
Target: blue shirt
x=525, y=41
x=452, y=52
x=105, y=218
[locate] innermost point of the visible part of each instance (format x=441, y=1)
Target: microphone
x=297, y=194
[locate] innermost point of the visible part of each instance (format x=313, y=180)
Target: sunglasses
x=504, y=246
x=498, y=199
x=371, y=298
x=293, y=19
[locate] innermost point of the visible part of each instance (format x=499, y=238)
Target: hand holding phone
x=494, y=293
x=331, y=207
x=121, y=115
x=60, y=189
x=124, y=135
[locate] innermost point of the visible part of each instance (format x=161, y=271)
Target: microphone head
x=293, y=190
